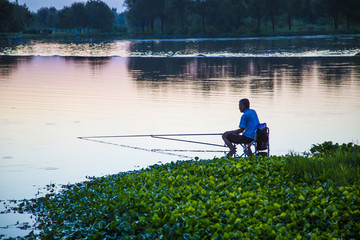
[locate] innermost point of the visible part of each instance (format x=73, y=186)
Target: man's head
x=244, y=104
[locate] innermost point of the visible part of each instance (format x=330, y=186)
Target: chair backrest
x=262, y=136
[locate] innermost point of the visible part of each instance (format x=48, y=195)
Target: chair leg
x=247, y=152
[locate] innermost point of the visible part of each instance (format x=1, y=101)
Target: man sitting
x=249, y=121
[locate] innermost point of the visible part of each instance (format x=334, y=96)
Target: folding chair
x=260, y=143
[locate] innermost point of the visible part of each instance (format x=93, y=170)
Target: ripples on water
x=311, y=46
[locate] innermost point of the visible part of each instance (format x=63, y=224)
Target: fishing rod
x=155, y=135
x=187, y=150
x=188, y=141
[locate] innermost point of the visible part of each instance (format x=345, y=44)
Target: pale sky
x=35, y=5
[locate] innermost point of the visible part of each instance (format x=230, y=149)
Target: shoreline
x=122, y=36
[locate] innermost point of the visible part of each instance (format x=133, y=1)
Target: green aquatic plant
x=222, y=198
x=329, y=162
x=329, y=148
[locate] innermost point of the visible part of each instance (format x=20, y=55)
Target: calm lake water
x=307, y=89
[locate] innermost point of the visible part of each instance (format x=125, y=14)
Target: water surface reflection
x=260, y=74
x=47, y=102
x=297, y=46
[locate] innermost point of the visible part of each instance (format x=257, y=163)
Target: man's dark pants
x=236, y=138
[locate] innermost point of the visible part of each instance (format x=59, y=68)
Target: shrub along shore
x=312, y=196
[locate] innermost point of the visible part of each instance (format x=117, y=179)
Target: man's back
x=249, y=121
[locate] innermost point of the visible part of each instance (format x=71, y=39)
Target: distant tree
x=179, y=7
x=141, y=13
x=331, y=9
x=272, y=7
x=257, y=8
x=215, y=16
x=307, y=11
x=134, y=15
x=292, y=7
x=120, y=23
x=80, y=15
x=99, y=15
x=151, y=13
x=52, y=17
x=119, y=17
x=6, y=10
x=351, y=11
x=229, y=16
x=66, y=18
x=235, y=11
x=160, y=12
x=21, y=18
x=200, y=9
x=42, y=15
x=47, y=17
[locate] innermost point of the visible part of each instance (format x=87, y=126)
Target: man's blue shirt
x=249, y=120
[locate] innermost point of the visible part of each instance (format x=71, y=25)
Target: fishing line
x=136, y=148
x=160, y=136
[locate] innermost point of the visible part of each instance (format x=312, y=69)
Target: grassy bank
x=287, y=197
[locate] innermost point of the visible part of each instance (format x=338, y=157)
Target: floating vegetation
x=222, y=198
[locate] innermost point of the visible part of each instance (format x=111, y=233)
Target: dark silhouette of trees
x=331, y=8
x=161, y=12
x=14, y=18
x=137, y=15
x=238, y=16
x=47, y=17
x=237, y=11
x=99, y=15
x=257, y=8
x=6, y=9
x=94, y=15
x=200, y=9
x=80, y=14
x=272, y=6
x=350, y=9
x=292, y=8
x=66, y=18
x=188, y=17
x=179, y=8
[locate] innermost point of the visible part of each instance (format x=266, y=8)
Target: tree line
x=239, y=16
x=92, y=15
x=187, y=17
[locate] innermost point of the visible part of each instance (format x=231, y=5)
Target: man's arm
x=237, y=131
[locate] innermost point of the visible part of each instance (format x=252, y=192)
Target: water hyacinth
x=222, y=198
